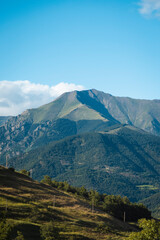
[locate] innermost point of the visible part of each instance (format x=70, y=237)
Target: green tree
x=66, y=187
x=61, y=185
x=94, y=197
x=47, y=180
x=150, y=230
x=83, y=192
x=49, y=232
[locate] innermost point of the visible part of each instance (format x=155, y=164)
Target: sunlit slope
x=29, y=204
x=74, y=106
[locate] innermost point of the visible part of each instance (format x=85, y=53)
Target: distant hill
x=30, y=204
x=115, y=162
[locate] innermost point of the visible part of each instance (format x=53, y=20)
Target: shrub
x=47, y=180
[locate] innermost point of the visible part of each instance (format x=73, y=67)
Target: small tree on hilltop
x=47, y=180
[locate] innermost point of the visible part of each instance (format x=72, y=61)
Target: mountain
x=90, y=138
x=29, y=205
x=74, y=113
x=66, y=116
x=118, y=161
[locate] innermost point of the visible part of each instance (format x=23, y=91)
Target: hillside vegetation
x=119, y=161
x=29, y=205
x=90, y=138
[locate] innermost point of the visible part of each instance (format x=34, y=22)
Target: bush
x=47, y=180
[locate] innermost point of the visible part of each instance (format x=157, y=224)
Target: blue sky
x=110, y=45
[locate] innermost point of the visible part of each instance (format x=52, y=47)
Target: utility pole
x=6, y=160
x=7, y=155
x=6, y=205
x=31, y=170
x=124, y=217
x=92, y=205
x=54, y=201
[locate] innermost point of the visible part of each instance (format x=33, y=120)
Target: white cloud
x=17, y=96
x=150, y=7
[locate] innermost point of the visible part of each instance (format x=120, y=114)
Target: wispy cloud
x=17, y=96
x=150, y=8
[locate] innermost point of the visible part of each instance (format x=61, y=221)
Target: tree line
x=117, y=206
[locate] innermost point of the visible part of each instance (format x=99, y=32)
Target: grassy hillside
x=29, y=204
x=119, y=161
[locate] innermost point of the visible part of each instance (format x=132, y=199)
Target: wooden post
x=6, y=161
x=54, y=201
x=124, y=216
x=31, y=170
x=92, y=205
x=6, y=205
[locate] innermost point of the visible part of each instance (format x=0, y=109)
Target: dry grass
x=30, y=204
